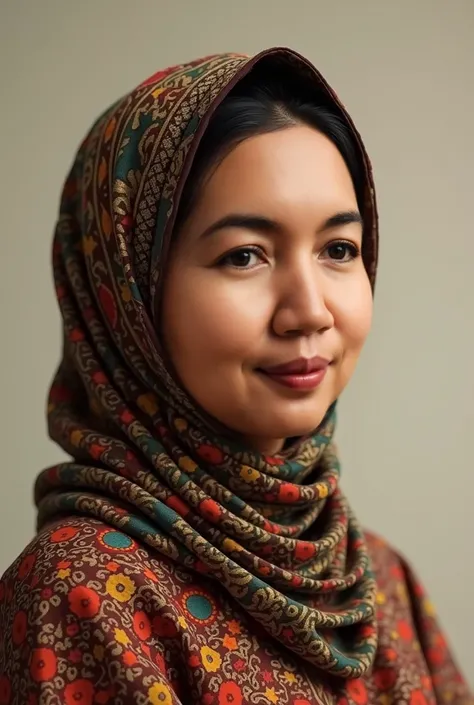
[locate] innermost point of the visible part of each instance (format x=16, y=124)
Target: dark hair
x=257, y=108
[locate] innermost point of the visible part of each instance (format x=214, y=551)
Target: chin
x=286, y=423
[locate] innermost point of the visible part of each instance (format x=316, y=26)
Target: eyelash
x=253, y=249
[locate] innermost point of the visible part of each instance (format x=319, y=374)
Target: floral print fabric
x=89, y=616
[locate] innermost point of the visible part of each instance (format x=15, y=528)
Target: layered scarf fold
x=276, y=532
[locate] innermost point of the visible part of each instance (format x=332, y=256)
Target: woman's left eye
x=342, y=251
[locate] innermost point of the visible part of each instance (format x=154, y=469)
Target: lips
x=301, y=366
x=302, y=375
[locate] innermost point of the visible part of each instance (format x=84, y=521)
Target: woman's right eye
x=243, y=258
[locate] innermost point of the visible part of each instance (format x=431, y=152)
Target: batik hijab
x=276, y=532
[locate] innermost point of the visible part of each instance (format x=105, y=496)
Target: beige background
x=405, y=71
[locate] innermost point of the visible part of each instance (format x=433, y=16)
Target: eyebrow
x=262, y=224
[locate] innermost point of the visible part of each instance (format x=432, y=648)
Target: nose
x=302, y=308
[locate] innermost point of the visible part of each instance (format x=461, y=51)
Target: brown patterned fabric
x=171, y=564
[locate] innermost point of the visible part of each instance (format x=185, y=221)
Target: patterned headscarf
x=276, y=532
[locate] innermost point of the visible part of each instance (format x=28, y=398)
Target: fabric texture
x=270, y=541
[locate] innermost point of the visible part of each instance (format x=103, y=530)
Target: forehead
x=293, y=168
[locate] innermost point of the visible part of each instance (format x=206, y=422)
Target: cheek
x=206, y=326
x=353, y=318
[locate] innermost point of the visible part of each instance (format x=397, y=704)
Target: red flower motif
x=178, y=505
x=126, y=416
x=303, y=701
x=160, y=662
x=435, y=656
x=357, y=691
x=79, y=691
x=210, y=454
x=84, y=602
x=194, y=661
x=417, y=698
x=75, y=656
x=385, y=678
x=141, y=625
x=59, y=393
x=288, y=492
x=72, y=629
x=164, y=626
x=76, y=335
x=210, y=510
x=99, y=377
x=43, y=665
x=108, y=304
x=239, y=665
x=96, y=450
x=129, y=658
x=66, y=533
x=272, y=460
x=304, y=550
x=20, y=624
x=390, y=654
x=267, y=677
x=156, y=78
x=102, y=697
x=296, y=580
x=230, y=694
x=26, y=566
x=5, y=690
x=405, y=630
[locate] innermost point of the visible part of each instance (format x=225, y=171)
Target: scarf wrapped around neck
x=276, y=532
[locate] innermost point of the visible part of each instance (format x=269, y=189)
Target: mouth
x=303, y=374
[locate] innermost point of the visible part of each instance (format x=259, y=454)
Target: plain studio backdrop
x=405, y=71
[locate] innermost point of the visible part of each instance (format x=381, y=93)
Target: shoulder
x=73, y=553
x=78, y=600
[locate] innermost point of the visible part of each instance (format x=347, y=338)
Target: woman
x=214, y=259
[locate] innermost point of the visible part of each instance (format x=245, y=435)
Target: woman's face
x=265, y=272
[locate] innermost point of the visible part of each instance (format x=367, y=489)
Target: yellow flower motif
x=89, y=245
x=271, y=695
x=323, y=491
x=157, y=92
x=147, y=403
x=402, y=593
x=249, y=474
x=76, y=437
x=160, y=694
x=395, y=635
x=64, y=573
x=380, y=598
x=121, y=637
x=187, y=464
x=99, y=652
x=125, y=293
x=231, y=545
x=289, y=677
x=429, y=608
x=120, y=587
x=182, y=622
x=210, y=659
x=180, y=425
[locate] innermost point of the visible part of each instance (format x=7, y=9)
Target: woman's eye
x=342, y=251
x=244, y=258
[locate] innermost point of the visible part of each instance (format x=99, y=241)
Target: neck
x=265, y=446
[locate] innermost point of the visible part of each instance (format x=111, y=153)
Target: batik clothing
x=169, y=555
